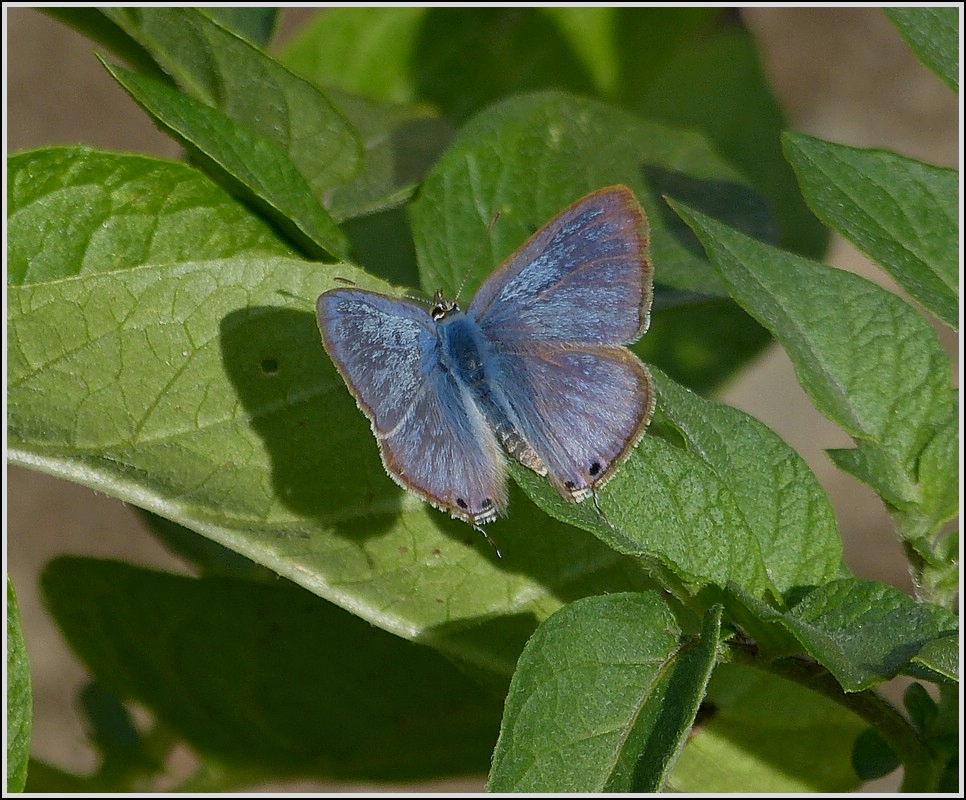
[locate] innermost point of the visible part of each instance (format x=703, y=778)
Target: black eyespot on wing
x=595, y=469
x=570, y=485
x=461, y=503
x=487, y=503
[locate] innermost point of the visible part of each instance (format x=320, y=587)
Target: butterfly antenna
x=476, y=255
x=489, y=541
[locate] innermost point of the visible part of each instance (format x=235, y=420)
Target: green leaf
x=357, y=156
x=766, y=735
x=19, y=698
x=779, y=497
x=941, y=657
x=729, y=506
x=202, y=393
x=603, y=697
x=255, y=24
x=400, y=144
x=902, y=213
x=671, y=509
x=364, y=51
x=259, y=95
x=467, y=58
x=933, y=34
x=868, y=361
x=270, y=677
x=253, y=166
x=866, y=632
x=716, y=86
x=72, y=210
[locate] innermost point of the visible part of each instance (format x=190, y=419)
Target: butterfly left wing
x=432, y=438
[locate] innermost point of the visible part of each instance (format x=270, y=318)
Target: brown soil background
x=842, y=74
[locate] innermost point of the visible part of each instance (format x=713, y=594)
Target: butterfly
x=534, y=367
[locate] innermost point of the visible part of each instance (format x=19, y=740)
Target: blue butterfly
x=535, y=365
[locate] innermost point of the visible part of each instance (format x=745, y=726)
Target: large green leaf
x=902, y=213
x=266, y=676
x=603, y=698
x=779, y=496
x=72, y=210
x=201, y=392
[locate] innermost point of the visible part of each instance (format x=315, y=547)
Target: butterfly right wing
x=432, y=438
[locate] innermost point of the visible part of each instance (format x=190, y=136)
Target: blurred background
x=840, y=74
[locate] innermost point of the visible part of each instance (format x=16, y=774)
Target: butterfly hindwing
x=581, y=409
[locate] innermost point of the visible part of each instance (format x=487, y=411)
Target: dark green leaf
x=466, y=58
x=254, y=167
x=19, y=699
x=779, y=497
x=603, y=697
x=872, y=757
x=259, y=95
x=869, y=362
x=72, y=210
x=716, y=87
x=763, y=734
x=921, y=707
x=934, y=36
x=902, y=213
x=270, y=676
x=865, y=632
x=255, y=24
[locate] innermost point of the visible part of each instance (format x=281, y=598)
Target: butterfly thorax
x=466, y=353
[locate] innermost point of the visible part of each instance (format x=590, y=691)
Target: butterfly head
x=442, y=307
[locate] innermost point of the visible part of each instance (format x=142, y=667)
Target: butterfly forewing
x=584, y=278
